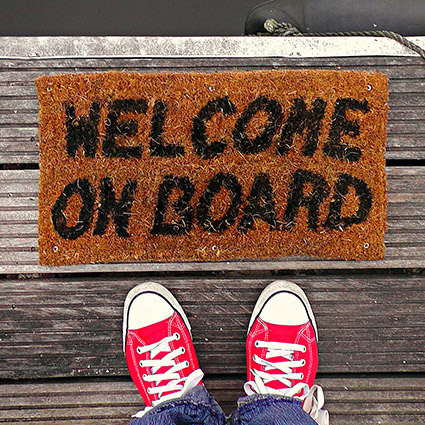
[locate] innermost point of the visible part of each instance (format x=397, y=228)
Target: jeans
x=199, y=408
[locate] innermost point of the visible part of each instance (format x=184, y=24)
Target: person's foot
x=281, y=347
x=158, y=346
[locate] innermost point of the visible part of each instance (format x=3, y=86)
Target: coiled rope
x=284, y=29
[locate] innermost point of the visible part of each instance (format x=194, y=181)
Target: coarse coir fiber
x=212, y=167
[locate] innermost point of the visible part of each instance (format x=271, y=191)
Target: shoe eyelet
x=139, y=350
x=148, y=390
x=176, y=336
x=186, y=363
x=257, y=344
x=302, y=376
x=303, y=362
x=141, y=363
x=144, y=376
x=182, y=350
x=304, y=349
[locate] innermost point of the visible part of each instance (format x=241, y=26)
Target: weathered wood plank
x=359, y=401
x=405, y=238
x=72, y=327
x=38, y=48
x=19, y=107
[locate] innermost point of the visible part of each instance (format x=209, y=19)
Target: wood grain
x=350, y=400
x=72, y=326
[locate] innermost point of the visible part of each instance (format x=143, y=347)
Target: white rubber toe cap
x=146, y=309
x=284, y=308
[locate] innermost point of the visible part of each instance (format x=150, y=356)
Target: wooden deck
x=60, y=340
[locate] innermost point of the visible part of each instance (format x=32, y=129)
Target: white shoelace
x=313, y=398
x=177, y=386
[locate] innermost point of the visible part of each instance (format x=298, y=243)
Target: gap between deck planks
x=405, y=238
x=350, y=400
x=19, y=106
x=72, y=326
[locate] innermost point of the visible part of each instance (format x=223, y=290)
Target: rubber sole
x=275, y=288
x=155, y=288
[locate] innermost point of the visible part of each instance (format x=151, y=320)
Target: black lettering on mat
x=342, y=126
x=262, y=141
x=302, y=120
x=115, y=128
x=82, y=131
x=80, y=187
x=312, y=202
x=119, y=210
x=261, y=205
x=203, y=213
x=199, y=131
x=182, y=206
x=156, y=142
x=334, y=220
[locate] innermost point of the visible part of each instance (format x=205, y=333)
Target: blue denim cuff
x=262, y=409
x=197, y=405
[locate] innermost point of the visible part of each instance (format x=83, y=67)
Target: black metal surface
x=130, y=17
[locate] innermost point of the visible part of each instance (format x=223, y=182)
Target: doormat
x=207, y=167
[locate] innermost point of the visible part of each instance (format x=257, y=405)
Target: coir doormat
x=204, y=167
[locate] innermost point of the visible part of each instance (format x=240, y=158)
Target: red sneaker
x=158, y=346
x=281, y=348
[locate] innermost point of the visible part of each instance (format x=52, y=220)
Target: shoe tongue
x=161, y=370
x=155, y=333
x=275, y=384
x=287, y=334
